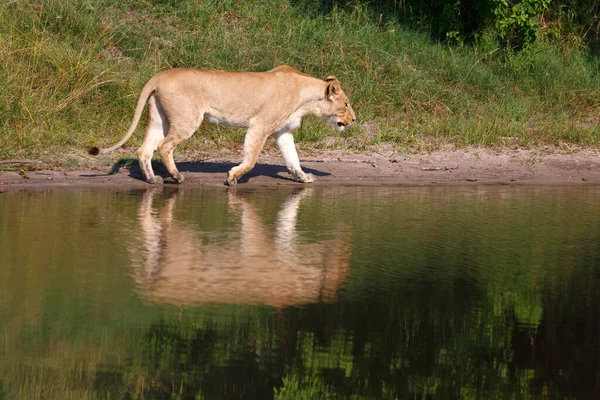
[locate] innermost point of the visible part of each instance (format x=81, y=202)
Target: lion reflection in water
x=262, y=265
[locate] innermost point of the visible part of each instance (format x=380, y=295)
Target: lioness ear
x=333, y=86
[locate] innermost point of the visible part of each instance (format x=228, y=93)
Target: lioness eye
x=347, y=105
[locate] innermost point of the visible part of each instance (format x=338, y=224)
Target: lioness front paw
x=304, y=178
x=309, y=178
x=155, y=180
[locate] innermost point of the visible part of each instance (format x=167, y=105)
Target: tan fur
x=262, y=263
x=267, y=103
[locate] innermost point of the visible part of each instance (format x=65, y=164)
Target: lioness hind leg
x=156, y=130
x=285, y=142
x=177, y=134
x=253, y=144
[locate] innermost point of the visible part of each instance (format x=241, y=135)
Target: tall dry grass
x=71, y=72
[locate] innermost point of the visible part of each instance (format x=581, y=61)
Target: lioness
x=267, y=103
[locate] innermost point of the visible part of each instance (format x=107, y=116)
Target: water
x=323, y=293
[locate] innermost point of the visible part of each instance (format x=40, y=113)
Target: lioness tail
x=146, y=92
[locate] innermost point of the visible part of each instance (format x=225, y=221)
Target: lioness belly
x=226, y=120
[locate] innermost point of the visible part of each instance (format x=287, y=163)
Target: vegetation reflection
x=437, y=293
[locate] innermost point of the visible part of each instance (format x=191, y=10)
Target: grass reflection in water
x=308, y=294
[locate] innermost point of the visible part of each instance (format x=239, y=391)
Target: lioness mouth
x=341, y=124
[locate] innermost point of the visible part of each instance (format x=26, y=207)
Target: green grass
x=71, y=72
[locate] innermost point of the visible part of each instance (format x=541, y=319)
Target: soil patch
x=474, y=166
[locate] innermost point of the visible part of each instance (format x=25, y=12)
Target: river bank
x=474, y=166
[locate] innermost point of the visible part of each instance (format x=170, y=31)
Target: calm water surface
x=322, y=293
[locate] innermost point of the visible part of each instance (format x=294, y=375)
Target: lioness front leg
x=253, y=144
x=285, y=142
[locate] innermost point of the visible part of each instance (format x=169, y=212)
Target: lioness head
x=337, y=109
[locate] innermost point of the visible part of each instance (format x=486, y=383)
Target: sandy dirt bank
x=332, y=167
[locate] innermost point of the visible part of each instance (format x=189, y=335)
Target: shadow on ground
x=269, y=170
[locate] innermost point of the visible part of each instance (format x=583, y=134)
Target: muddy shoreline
x=335, y=167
